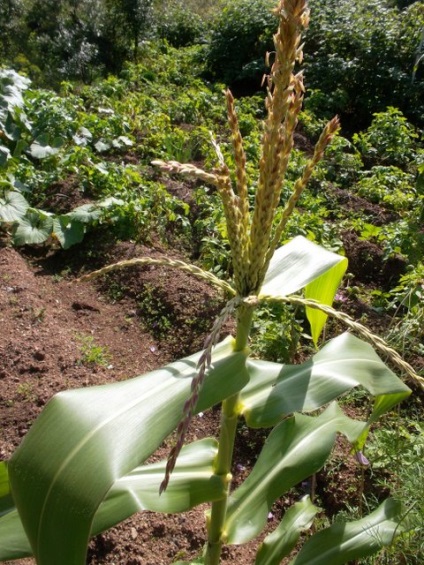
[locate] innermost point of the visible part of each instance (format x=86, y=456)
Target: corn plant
x=81, y=468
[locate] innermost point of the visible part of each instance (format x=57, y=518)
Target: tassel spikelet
x=277, y=139
x=234, y=219
x=163, y=262
x=186, y=169
x=242, y=199
x=203, y=365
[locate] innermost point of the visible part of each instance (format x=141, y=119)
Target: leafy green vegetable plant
x=81, y=468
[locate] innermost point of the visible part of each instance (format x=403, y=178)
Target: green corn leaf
x=299, y=264
x=323, y=289
x=6, y=501
x=86, y=439
x=192, y=482
x=14, y=543
x=342, y=543
x=294, y=450
x=277, y=545
x=276, y=390
x=296, y=265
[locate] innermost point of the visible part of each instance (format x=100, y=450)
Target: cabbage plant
x=82, y=466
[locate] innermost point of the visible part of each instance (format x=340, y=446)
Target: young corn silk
x=81, y=468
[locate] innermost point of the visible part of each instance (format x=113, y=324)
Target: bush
x=361, y=56
x=241, y=34
x=179, y=25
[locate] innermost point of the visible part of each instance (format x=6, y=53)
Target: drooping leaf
x=35, y=227
x=192, y=482
x=296, y=265
x=13, y=206
x=276, y=390
x=68, y=231
x=294, y=450
x=281, y=541
x=86, y=439
x=343, y=543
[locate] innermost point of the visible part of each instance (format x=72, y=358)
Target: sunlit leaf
x=277, y=545
x=85, y=214
x=323, y=289
x=343, y=543
x=35, y=227
x=41, y=148
x=68, y=231
x=294, y=450
x=275, y=390
x=13, y=206
x=86, y=439
x=296, y=265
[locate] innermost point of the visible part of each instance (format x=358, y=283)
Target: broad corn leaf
x=294, y=450
x=343, y=543
x=14, y=543
x=86, y=439
x=297, y=264
x=277, y=545
x=193, y=482
x=323, y=289
x=276, y=390
x=303, y=264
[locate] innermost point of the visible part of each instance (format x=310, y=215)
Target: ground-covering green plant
x=81, y=467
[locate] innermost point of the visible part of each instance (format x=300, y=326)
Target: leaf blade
x=100, y=434
x=355, y=540
x=275, y=390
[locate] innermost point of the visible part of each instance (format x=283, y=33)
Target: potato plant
x=81, y=468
